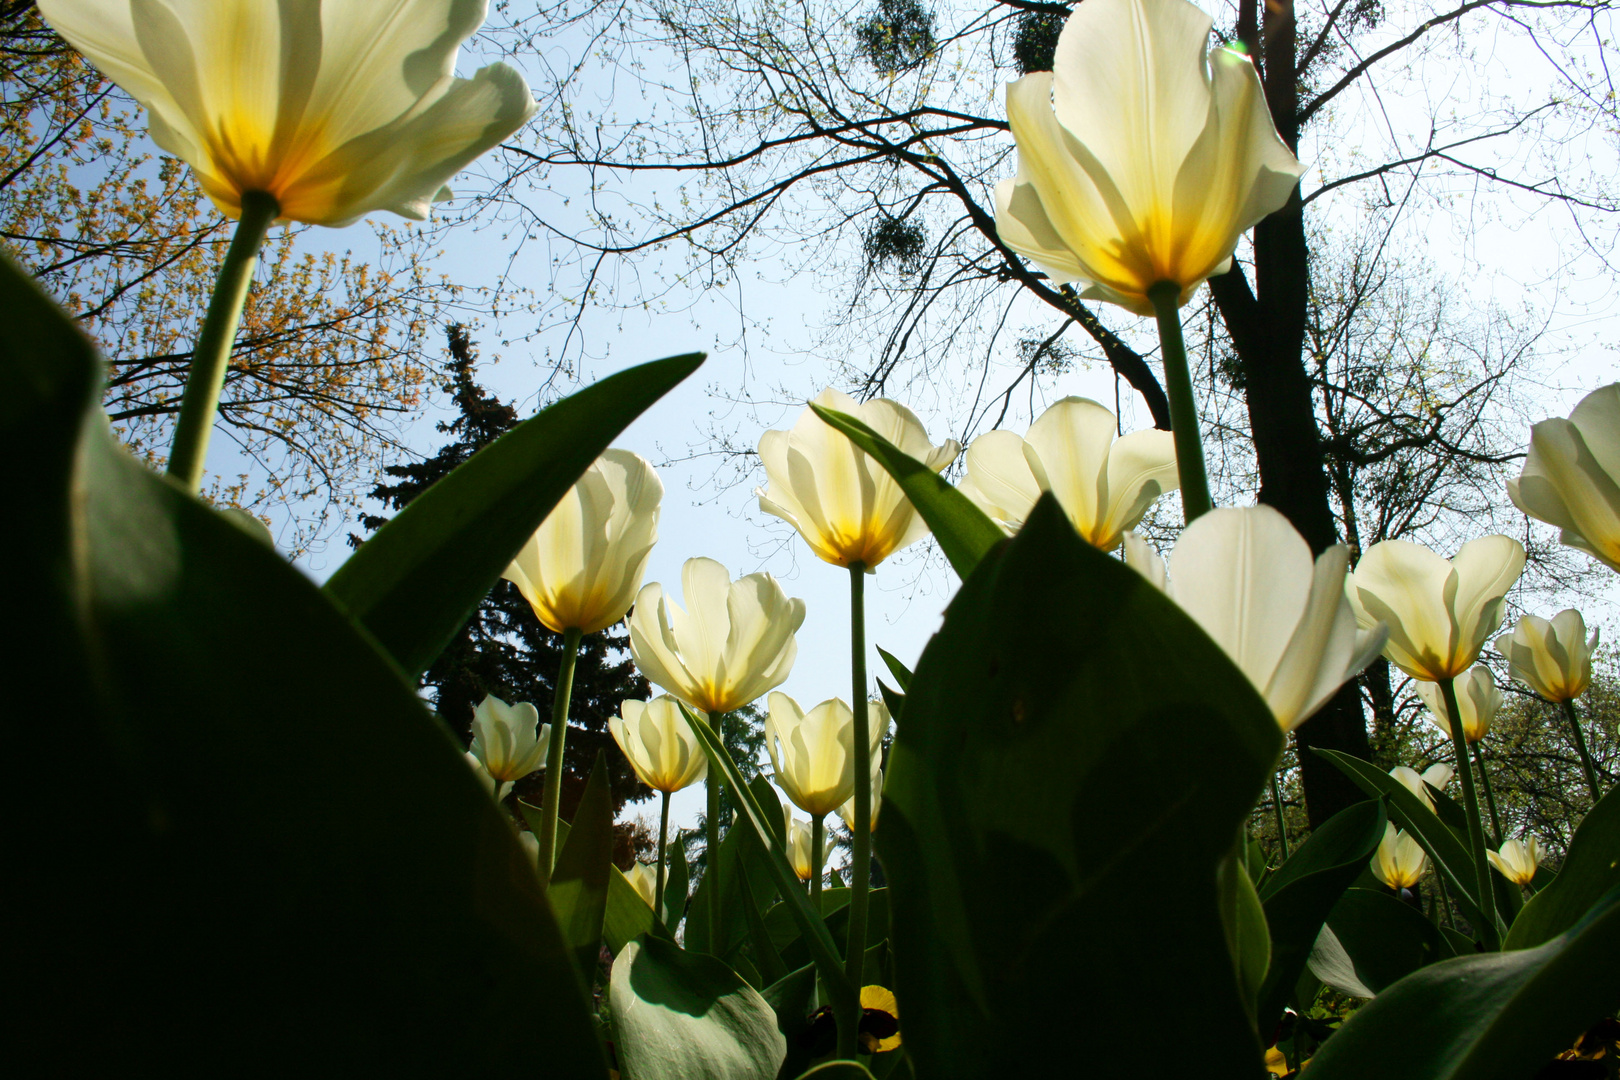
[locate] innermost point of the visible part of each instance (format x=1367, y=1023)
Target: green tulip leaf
x=901, y=673
x=626, y=915
x=1247, y=937
x=1495, y=1016
x=1591, y=869
x=417, y=579
x=964, y=532
x=740, y=857
x=579, y=882
x=246, y=872
x=892, y=699
x=1302, y=891
x=1077, y=760
x=677, y=883
x=1448, y=852
x=768, y=831
x=767, y=959
x=681, y=1015
x=1385, y=938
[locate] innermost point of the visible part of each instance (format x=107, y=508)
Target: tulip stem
x=1277, y=805
x=1490, y=796
x=1195, y=497
x=554, y=753
x=1486, y=896
x=860, y=869
x=211, y=356
x=663, y=834
x=711, y=842
x=1580, y=745
x=818, y=838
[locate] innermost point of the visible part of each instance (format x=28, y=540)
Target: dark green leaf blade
x=254, y=869
x=1301, y=893
x=901, y=673
x=579, y=883
x=1385, y=938
x=1498, y=1016
x=1449, y=854
x=681, y=1015
x=418, y=578
x=678, y=882
x=1029, y=863
x=964, y=533
x=1590, y=870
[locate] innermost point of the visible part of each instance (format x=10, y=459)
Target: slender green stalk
x=1277, y=805
x=1195, y=498
x=211, y=357
x=1580, y=744
x=1445, y=900
x=860, y=870
x=818, y=839
x=1497, y=836
x=711, y=839
x=663, y=835
x=554, y=754
x=1476, y=832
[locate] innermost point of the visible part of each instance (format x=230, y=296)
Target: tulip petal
x=1486, y=568
x=1067, y=452
x=1141, y=467
x=1215, y=574
x=999, y=480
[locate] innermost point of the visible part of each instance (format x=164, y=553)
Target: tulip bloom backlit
x=1518, y=860
x=660, y=744
x=335, y=108
x=1571, y=476
x=1400, y=861
x=1477, y=700
x=1247, y=578
x=801, y=839
x=581, y=568
x=813, y=754
x=1553, y=656
x=1140, y=159
x=509, y=740
x=732, y=643
x=1436, y=776
x=1439, y=611
x=845, y=505
x=644, y=879
x=1104, y=484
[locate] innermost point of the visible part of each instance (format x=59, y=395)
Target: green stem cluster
x=1580, y=745
x=552, y=800
x=1476, y=832
x=860, y=870
x=711, y=835
x=1277, y=805
x=1195, y=497
x=818, y=839
x=211, y=357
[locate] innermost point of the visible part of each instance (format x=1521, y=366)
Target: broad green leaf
x=1495, y=1016
x=768, y=830
x=964, y=533
x=1302, y=891
x=1076, y=762
x=677, y=883
x=895, y=700
x=1384, y=937
x=1448, y=852
x=1244, y=920
x=419, y=578
x=1591, y=869
x=252, y=876
x=579, y=883
x=681, y=1015
x=768, y=960
x=901, y=673
x=627, y=915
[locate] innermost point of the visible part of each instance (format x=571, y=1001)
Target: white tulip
x=509, y=740
x=1247, y=578
x=1553, y=656
x=335, y=107
x=1400, y=861
x=660, y=744
x=1571, y=476
x=1477, y=699
x=813, y=754
x=733, y=642
x=1104, y=484
x=1436, y=776
x=581, y=569
x=1140, y=160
